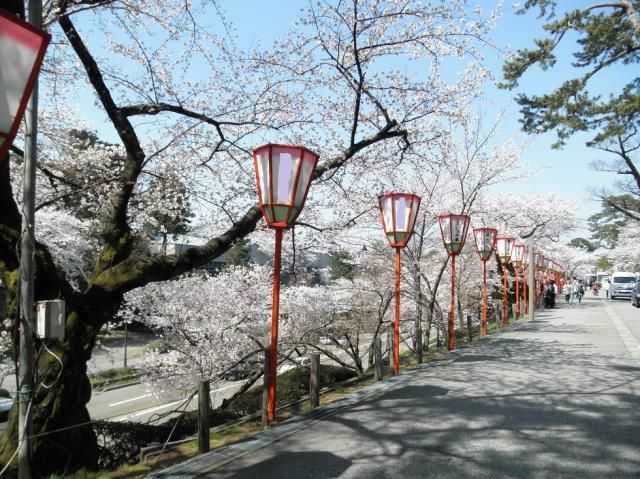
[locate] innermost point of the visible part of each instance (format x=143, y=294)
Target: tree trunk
x=417, y=290
x=59, y=406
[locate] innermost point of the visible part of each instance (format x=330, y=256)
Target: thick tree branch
x=116, y=232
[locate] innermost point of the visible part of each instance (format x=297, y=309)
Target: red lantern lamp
x=283, y=177
x=485, y=243
x=399, y=212
x=504, y=248
x=453, y=229
x=22, y=48
x=517, y=260
x=517, y=256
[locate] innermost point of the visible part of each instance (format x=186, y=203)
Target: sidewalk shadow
x=320, y=465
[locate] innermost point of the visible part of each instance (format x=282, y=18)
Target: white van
x=622, y=283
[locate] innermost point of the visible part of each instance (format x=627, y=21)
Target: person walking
x=549, y=296
x=580, y=291
x=567, y=292
x=605, y=286
x=575, y=290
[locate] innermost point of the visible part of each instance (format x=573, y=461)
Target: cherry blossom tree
x=339, y=83
x=625, y=255
x=208, y=325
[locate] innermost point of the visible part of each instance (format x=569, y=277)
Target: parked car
x=5, y=407
x=635, y=295
x=622, y=283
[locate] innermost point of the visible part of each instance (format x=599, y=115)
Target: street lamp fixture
x=517, y=259
x=504, y=248
x=22, y=48
x=485, y=239
x=283, y=177
x=399, y=212
x=453, y=229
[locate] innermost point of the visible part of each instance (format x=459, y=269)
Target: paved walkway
x=555, y=398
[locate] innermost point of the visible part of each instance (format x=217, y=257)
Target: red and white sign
x=22, y=48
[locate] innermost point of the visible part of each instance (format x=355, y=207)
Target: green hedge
x=291, y=386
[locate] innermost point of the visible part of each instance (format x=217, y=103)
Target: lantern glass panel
x=518, y=254
x=485, y=239
x=262, y=170
x=399, y=212
x=22, y=48
x=283, y=175
x=283, y=171
x=21, y=54
x=454, y=231
x=308, y=166
x=504, y=246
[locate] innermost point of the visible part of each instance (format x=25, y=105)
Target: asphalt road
x=137, y=403
x=555, y=398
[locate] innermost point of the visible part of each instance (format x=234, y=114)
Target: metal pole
x=532, y=296
x=314, y=380
x=125, y=344
x=452, y=340
x=524, y=290
x=275, y=311
x=27, y=253
x=203, y=416
x=517, y=315
x=484, y=298
x=505, y=318
x=265, y=386
x=396, y=325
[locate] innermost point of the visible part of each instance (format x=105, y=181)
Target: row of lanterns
x=283, y=176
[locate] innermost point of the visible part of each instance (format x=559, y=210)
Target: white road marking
x=129, y=400
x=629, y=340
x=156, y=408
x=146, y=411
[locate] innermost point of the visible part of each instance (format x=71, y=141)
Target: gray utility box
x=50, y=319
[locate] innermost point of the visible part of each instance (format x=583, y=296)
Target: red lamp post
x=504, y=247
x=22, y=48
x=517, y=258
x=283, y=177
x=525, y=265
x=453, y=229
x=399, y=212
x=485, y=243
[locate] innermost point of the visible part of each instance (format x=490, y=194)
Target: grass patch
x=113, y=376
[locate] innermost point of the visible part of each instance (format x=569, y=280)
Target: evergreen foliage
x=341, y=265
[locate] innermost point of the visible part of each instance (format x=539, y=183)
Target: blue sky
x=566, y=171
